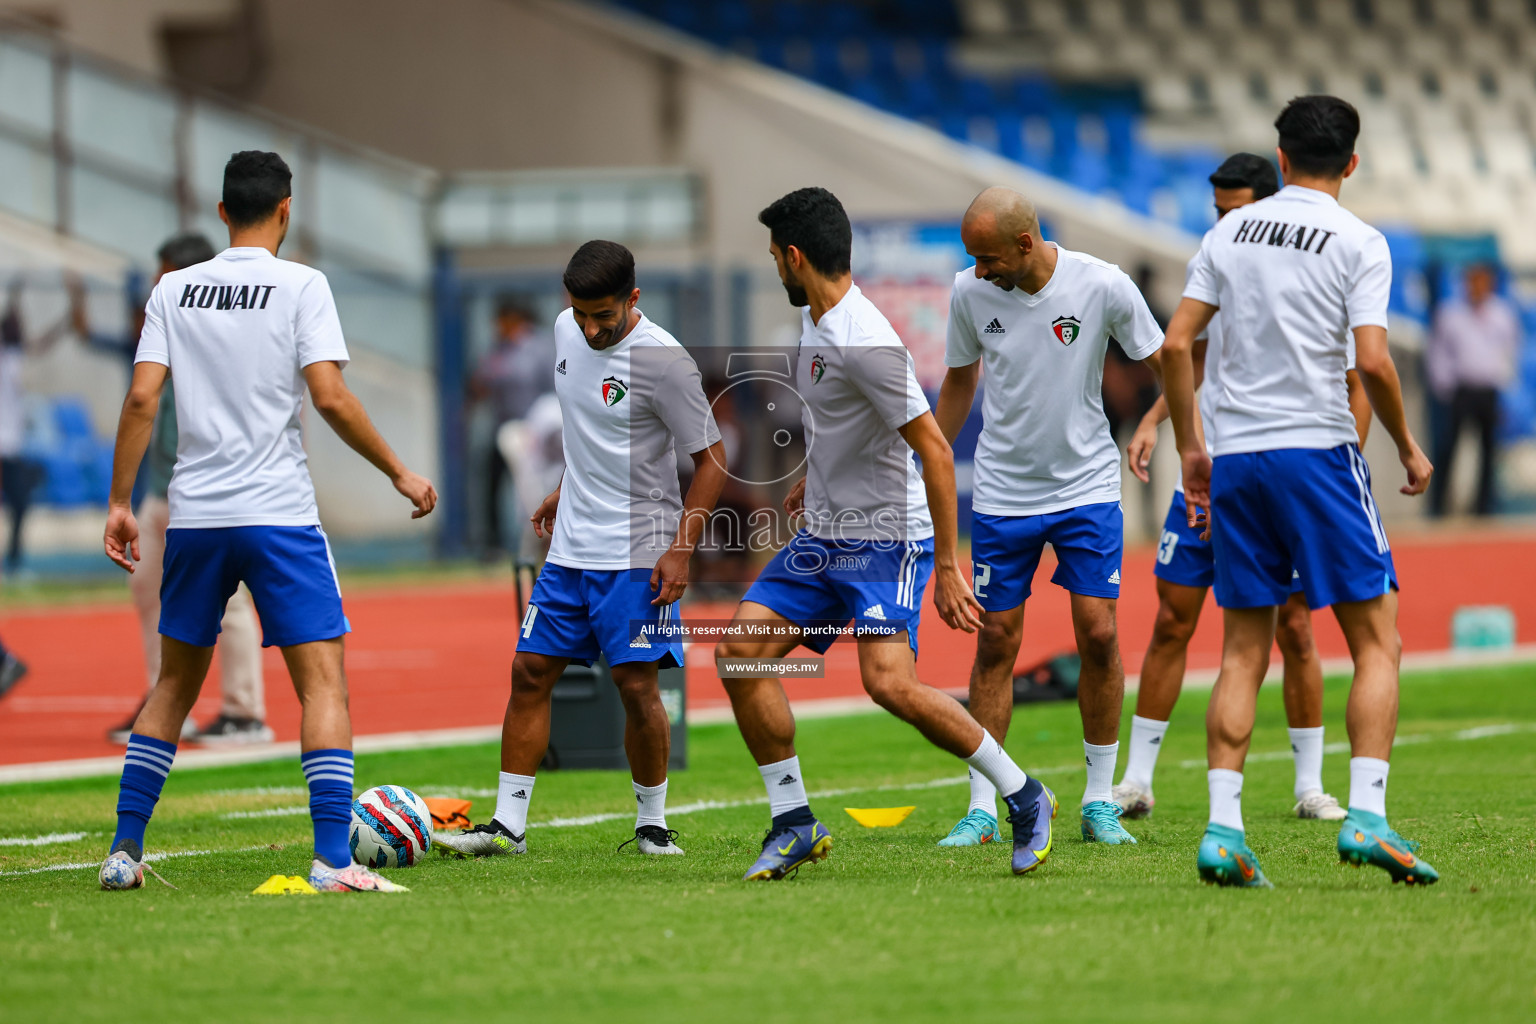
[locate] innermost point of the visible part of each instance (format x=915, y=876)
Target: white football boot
x=352, y=878
x=1134, y=800
x=1317, y=805
x=654, y=841
x=124, y=867
x=492, y=839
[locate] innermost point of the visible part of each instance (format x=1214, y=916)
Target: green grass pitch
x=889, y=928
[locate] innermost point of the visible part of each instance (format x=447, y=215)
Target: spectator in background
x=511, y=376
x=242, y=715
x=19, y=474
x=1473, y=351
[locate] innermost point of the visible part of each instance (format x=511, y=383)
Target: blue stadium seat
x=977, y=95
x=72, y=417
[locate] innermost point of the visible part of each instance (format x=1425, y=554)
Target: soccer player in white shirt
x=244, y=334
x=1038, y=319
x=622, y=537
x=1294, y=276
x=874, y=529
x=1186, y=568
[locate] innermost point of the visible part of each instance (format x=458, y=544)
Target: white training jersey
x=622, y=410
x=236, y=333
x=1293, y=275
x=857, y=383
x=1045, y=443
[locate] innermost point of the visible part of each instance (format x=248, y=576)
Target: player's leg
x=1162, y=678
x=201, y=571
x=1370, y=628
x=889, y=671
x=767, y=724
x=1185, y=569
x=1303, y=691
x=1253, y=561
x=556, y=629
x=1005, y=552
x=243, y=705
x=991, y=705
x=1248, y=634
x=1088, y=542
x=1344, y=560
x=648, y=744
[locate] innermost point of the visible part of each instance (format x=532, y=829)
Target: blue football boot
x=1030, y=811
x=1101, y=824
x=1225, y=859
x=786, y=848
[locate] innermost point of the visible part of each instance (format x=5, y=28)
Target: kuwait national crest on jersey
x=818, y=367
x=1066, y=328
x=614, y=391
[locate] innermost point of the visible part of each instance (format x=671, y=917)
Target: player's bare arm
x=345, y=413
x=1378, y=375
x=709, y=474
x=134, y=426
x=1359, y=404
x=794, y=501
x=956, y=396
x=1189, y=320
x=952, y=595
x=543, y=518
x=1139, y=452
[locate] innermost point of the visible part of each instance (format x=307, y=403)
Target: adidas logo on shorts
x=875, y=611
x=1115, y=577
x=640, y=641
x=995, y=327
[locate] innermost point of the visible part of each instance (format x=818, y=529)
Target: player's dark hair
x=813, y=221
x=254, y=183
x=182, y=251
x=1247, y=170
x=600, y=270
x=1317, y=134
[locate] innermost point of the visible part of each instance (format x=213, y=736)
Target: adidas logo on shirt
x=560, y=366
x=995, y=327
x=788, y=780
x=1115, y=577
x=875, y=611
x=521, y=794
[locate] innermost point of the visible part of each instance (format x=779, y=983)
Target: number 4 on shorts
x=528, y=617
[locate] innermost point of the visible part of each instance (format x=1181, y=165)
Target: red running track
x=437, y=657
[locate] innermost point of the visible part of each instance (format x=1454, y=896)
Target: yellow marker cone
x=879, y=817
x=285, y=885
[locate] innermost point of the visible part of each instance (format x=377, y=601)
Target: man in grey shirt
x=1473, y=351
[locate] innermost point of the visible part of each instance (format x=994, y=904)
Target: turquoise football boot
x=1367, y=839
x=1226, y=860
x=976, y=828
x=1101, y=824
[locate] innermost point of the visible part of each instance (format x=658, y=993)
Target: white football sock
x=785, y=785
x=1368, y=784
x=512, y=795
x=994, y=764
x=1226, y=797
x=1146, y=743
x=652, y=802
x=1101, y=771
x=1307, y=746
x=983, y=793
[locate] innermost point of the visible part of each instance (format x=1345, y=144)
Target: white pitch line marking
x=48, y=840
